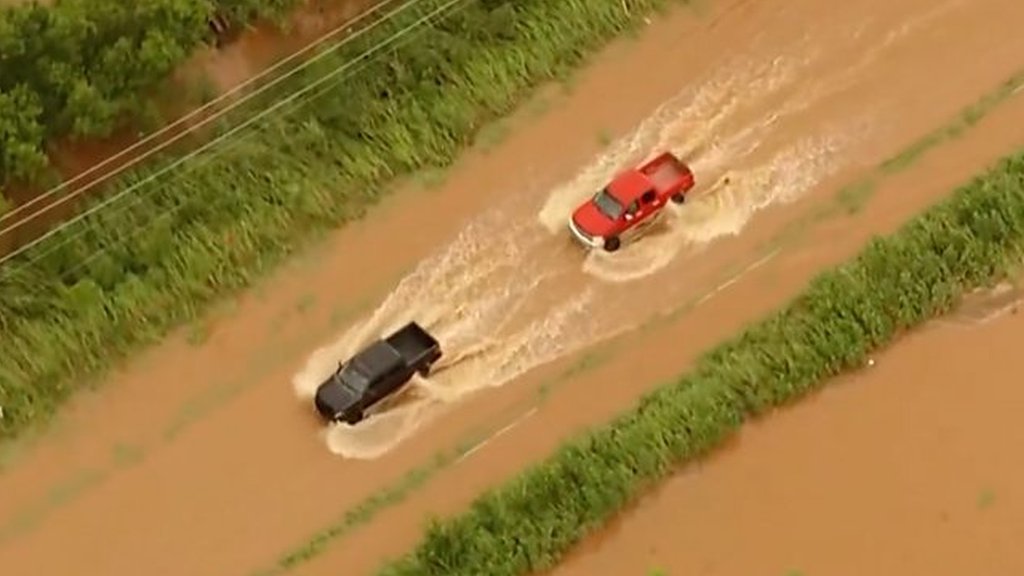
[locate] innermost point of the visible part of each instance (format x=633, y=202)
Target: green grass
x=125, y=276
x=852, y=198
x=125, y=455
x=359, y=515
x=28, y=517
x=986, y=499
x=306, y=303
x=971, y=240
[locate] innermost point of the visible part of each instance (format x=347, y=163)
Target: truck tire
x=679, y=198
x=423, y=371
x=354, y=418
x=612, y=243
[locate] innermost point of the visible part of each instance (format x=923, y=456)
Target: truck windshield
x=608, y=205
x=354, y=378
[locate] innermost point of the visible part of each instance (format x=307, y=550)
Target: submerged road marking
x=725, y=285
x=494, y=436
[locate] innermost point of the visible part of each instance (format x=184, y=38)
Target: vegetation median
x=895, y=284
x=123, y=276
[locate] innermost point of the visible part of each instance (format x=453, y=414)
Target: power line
x=81, y=190
x=226, y=95
x=345, y=70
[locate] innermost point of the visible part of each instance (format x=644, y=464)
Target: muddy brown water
x=200, y=459
x=908, y=467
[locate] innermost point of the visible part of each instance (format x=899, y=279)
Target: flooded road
x=165, y=468
x=879, y=474
x=762, y=128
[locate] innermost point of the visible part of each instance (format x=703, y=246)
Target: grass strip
x=124, y=276
x=359, y=515
x=968, y=118
x=973, y=239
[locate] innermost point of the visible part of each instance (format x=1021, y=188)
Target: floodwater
x=908, y=467
x=764, y=127
x=200, y=460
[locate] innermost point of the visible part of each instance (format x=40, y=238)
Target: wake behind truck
x=376, y=372
x=631, y=201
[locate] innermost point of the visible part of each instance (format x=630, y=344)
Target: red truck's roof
x=628, y=186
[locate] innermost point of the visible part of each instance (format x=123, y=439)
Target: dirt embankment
x=198, y=459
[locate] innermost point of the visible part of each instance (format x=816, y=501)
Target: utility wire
x=344, y=71
x=181, y=121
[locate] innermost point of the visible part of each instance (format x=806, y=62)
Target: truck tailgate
x=413, y=343
x=666, y=171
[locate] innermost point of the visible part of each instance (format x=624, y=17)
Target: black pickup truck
x=376, y=372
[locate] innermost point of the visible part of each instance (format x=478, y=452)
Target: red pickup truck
x=631, y=200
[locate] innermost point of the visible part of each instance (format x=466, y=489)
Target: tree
x=79, y=67
x=5, y=205
x=21, y=134
x=88, y=112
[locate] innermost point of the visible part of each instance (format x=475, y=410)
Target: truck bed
x=375, y=361
x=413, y=343
x=665, y=171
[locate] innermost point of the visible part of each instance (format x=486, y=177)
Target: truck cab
x=631, y=199
x=376, y=372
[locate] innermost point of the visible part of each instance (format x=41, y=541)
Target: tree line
x=83, y=68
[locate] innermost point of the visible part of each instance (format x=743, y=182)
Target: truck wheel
x=612, y=244
x=679, y=198
x=423, y=371
x=354, y=418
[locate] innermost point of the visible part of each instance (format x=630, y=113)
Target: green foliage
x=21, y=133
x=67, y=311
x=895, y=284
x=243, y=11
x=79, y=67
